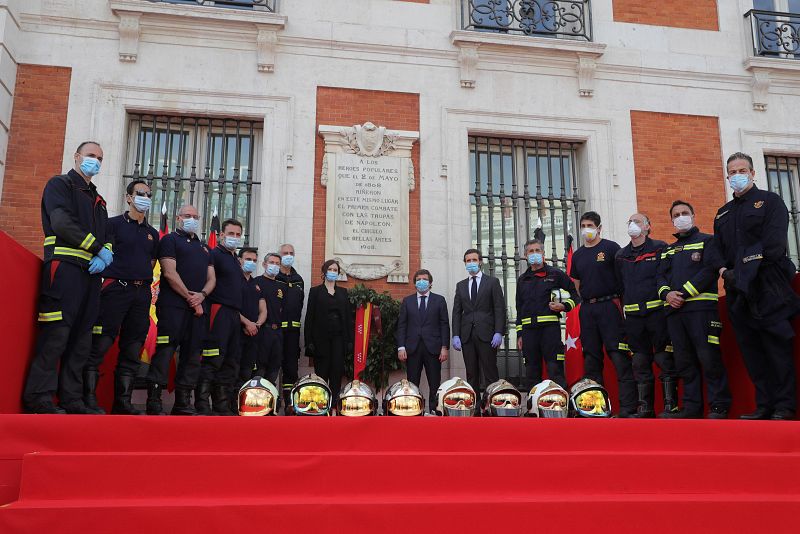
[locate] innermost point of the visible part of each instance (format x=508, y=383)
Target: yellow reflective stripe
x=663, y=288
x=690, y=289
x=519, y=327
x=296, y=324
x=66, y=251
x=51, y=240
x=654, y=304
x=631, y=307
x=570, y=302
x=704, y=296
x=87, y=242
x=559, y=357
x=108, y=246
x=713, y=339
x=623, y=346
x=525, y=320
x=211, y=352
x=97, y=330
x=667, y=253
x=161, y=340
x=50, y=316
x=669, y=348
x=285, y=324
x=546, y=319
x=694, y=246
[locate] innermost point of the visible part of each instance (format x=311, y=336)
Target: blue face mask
x=191, y=226
x=142, y=204
x=739, y=182
x=473, y=267
x=422, y=285
x=232, y=243
x=249, y=266
x=331, y=276
x=90, y=166
x=287, y=261
x=273, y=269
x=535, y=258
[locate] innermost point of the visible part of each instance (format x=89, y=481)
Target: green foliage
x=382, y=356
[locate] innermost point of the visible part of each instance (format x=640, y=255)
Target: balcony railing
x=258, y=5
x=775, y=34
x=567, y=19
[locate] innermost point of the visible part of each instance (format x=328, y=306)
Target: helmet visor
x=592, y=403
x=311, y=400
x=405, y=406
x=256, y=401
x=552, y=405
x=355, y=406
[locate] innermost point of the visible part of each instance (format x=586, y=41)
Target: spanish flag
x=149, y=347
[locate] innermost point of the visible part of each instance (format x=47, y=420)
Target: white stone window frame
x=109, y=125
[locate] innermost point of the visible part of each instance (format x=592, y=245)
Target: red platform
x=291, y=474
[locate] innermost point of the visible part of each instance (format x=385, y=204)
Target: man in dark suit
x=423, y=334
x=479, y=320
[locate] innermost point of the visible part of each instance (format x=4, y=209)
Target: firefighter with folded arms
x=76, y=251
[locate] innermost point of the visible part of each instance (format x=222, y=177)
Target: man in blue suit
x=423, y=334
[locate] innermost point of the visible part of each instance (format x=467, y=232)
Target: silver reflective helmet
x=559, y=295
x=587, y=398
x=311, y=396
x=547, y=399
x=403, y=399
x=502, y=399
x=357, y=399
x=257, y=396
x=456, y=398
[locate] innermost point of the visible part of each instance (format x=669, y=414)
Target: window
x=517, y=186
x=776, y=28
x=263, y=5
x=782, y=178
x=209, y=163
x=569, y=19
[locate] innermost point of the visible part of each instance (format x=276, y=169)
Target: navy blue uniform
x=178, y=326
x=251, y=298
x=751, y=231
x=690, y=267
x=292, y=312
x=223, y=352
x=601, y=317
x=125, y=296
x=270, y=353
x=74, y=221
x=539, y=326
x=645, y=323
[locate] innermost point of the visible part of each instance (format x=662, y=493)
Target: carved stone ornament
x=760, y=83
x=370, y=140
x=369, y=271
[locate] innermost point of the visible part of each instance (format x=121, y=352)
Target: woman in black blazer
x=329, y=327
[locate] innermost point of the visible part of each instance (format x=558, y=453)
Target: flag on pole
x=573, y=351
x=363, y=323
x=213, y=233
x=149, y=347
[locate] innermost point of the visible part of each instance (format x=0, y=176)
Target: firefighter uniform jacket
x=690, y=266
x=637, y=270
x=293, y=300
x=533, y=296
x=74, y=219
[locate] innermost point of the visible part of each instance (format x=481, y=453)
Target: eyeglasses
x=185, y=216
x=143, y=194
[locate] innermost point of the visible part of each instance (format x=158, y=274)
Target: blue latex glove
x=497, y=340
x=96, y=265
x=456, y=342
x=106, y=255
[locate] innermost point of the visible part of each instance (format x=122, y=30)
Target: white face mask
x=634, y=230
x=683, y=223
x=589, y=233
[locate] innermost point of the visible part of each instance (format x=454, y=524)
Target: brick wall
x=35, y=149
x=692, y=14
x=346, y=107
x=677, y=156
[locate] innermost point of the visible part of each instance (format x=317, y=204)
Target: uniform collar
x=182, y=233
x=222, y=248
x=78, y=180
x=128, y=219
x=746, y=196
x=688, y=233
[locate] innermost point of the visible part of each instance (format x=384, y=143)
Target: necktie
x=473, y=290
x=422, y=307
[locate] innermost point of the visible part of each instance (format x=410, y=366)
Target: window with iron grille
x=517, y=186
x=207, y=162
x=782, y=178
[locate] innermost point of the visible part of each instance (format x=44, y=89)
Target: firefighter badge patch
x=280, y=293
x=149, y=237
x=758, y=204
x=601, y=256
x=697, y=256
x=258, y=288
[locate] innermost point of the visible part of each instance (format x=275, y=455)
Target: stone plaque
x=368, y=173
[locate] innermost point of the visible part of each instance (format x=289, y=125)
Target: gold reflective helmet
x=547, y=399
x=587, y=398
x=357, y=399
x=502, y=399
x=257, y=396
x=403, y=399
x=456, y=398
x=311, y=396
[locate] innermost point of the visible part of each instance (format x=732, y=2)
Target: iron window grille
x=775, y=34
x=210, y=163
x=517, y=186
x=782, y=178
x=258, y=5
x=567, y=19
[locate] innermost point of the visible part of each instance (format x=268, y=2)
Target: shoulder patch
x=758, y=204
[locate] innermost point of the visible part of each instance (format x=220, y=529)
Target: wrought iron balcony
x=775, y=34
x=566, y=19
x=259, y=5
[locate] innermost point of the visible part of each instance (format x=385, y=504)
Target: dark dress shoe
x=717, y=413
x=683, y=414
x=46, y=406
x=760, y=413
x=77, y=407
x=783, y=415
